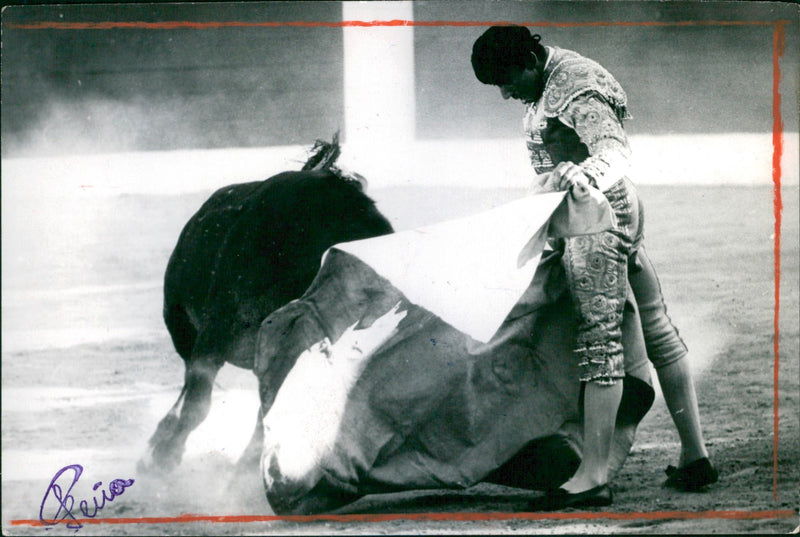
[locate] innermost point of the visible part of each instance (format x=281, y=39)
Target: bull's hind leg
x=167, y=444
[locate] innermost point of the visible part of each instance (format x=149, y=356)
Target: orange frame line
x=173, y=25
x=778, y=46
x=429, y=517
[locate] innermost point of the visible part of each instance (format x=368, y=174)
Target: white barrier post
x=378, y=78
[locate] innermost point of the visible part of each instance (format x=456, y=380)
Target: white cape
x=471, y=271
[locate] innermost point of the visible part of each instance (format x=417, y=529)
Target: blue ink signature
x=58, y=497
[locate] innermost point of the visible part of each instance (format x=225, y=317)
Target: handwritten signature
x=59, y=498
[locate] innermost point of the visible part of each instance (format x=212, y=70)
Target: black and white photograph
x=400, y=267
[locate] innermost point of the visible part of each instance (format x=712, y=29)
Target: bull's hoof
x=163, y=454
x=159, y=460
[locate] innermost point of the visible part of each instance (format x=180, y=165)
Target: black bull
x=250, y=249
x=253, y=248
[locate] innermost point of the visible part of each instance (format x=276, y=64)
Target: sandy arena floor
x=88, y=370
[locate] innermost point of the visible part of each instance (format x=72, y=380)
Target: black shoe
x=598, y=496
x=692, y=477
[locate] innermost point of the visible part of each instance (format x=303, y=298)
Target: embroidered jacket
x=579, y=118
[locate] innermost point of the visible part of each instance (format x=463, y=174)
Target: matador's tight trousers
x=596, y=267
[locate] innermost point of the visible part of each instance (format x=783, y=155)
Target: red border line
x=779, y=32
x=778, y=44
x=428, y=517
x=174, y=25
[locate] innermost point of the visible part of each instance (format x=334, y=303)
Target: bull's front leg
x=301, y=426
x=251, y=456
x=166, y=446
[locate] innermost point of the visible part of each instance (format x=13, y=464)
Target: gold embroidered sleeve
x=597, y=125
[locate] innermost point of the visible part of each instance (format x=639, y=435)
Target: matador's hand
x=570, y=176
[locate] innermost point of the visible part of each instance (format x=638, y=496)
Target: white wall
x=739, y=159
